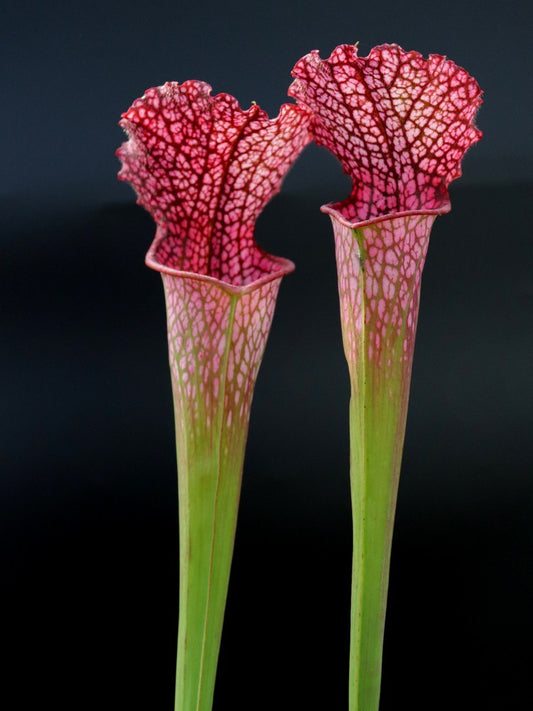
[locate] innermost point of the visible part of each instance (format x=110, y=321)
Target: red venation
x=400, y=124
x=204, y=169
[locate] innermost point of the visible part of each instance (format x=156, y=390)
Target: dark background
x=88, y=500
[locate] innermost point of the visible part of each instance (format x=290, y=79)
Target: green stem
x=379, y=268
x=374, y=485
x=210, y=462
x=209, y=499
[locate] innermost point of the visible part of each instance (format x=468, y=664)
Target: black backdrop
x=89, y=516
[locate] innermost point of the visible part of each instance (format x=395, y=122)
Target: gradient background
x=88, y=490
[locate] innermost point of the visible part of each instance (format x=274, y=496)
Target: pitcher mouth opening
x=335, y=211
x=273, y=268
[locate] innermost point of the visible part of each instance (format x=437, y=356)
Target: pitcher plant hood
x=398, y=123
x=205, y=168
